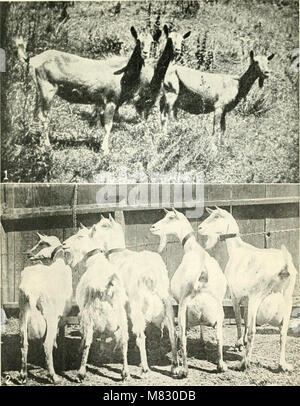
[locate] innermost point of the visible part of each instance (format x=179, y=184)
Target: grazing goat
x=100, y=296
x=45, y=295
x=152, y=76
x=81, y=80
x=261, y=279
x=146, y=282
x=198, y=284
x=199, y=92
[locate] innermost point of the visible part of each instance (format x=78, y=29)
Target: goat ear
x=166, y=30
x=209, y=211
x=271, y=57
x=187, y=34
x=41, y=236
x=93, y=230
x=134, y=33
x=252, y=55
x=111, y=218
x=120, y=71
x=102, y=217
x=166, y=211
x=82, y=226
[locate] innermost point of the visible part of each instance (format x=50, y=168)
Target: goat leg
x=245, y=323
x=24, y=344
x=283, y=365
x=87, y=341
x=238, y=318
x=52, y=323
x=108, y=123
x=124, y=337
x=171, y=329
x=182, y=372
x=253, y=304
x=125, y=370
x=222, y=367
x=141, y=343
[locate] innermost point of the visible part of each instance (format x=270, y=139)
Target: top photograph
x=150, y=91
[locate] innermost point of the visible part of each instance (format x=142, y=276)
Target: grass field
x=262, y=132
x=104, y=367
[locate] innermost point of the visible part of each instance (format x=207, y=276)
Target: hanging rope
x=74, y=206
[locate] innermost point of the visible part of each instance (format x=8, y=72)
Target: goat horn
x=165, y=210
x=102, y=216
x=111, y=218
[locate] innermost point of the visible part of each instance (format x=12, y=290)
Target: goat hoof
x=222, y=367
x=23, y=378
x=55, y=379
x=243, y=365
x=144, y=373
x=286, y=367
x=239, y=347
x=125, y=376
x=180, y=372
x=80, y=377
x=174, y=370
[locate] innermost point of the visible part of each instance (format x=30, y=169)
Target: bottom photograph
x=150, y=285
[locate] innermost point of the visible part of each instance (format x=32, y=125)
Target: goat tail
x=289, y=270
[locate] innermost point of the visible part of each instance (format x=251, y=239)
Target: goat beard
x=162, y=243
x=212, y=240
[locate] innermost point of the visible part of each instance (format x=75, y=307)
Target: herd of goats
x=122, y=290
x=108, y=83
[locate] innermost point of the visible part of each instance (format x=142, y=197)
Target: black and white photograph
x=151, y=86
x=150, y=195
x=115, y=291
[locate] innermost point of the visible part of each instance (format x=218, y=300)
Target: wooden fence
x=270, y=212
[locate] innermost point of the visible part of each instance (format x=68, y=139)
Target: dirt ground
x=104, y=364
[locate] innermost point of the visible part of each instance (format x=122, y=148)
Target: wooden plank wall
x=18, y=235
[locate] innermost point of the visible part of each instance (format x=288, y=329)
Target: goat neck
x=92, y=254
x=161, y=69
x=187, y=237
x=235, y=240
x=132, y=73
x=246, y=81
x=115, y=246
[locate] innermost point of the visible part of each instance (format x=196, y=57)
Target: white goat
x=198, y=284
x=146, y=282
x=199, y=92
x=87, y=81
x=45, y=295
x=261, y=279
x=100, y=296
